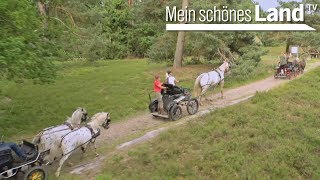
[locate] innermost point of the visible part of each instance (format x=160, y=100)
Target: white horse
x=80, y=138
x=210, y=79
x=47, y=137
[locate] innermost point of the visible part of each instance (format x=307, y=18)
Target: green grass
x=275, y=135
x=120, y=87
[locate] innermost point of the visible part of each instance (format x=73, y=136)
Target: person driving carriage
x=157, y=87
x=170, y=78
x=15, y=148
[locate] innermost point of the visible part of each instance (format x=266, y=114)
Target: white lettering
x=257, y=7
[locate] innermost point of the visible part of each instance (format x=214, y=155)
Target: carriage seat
x=173, y=90
x=6, y=158
x=30, y=149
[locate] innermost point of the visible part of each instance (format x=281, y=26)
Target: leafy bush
x=164, y=48
x=21, y=43
x=247, y=62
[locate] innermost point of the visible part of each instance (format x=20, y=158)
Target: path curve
x=146, y=122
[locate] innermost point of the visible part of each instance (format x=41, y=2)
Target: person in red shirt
x=157, y=87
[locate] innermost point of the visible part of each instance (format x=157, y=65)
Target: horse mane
x=95, y=116
x=69, y=119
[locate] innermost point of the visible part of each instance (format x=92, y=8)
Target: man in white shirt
x=170, y=79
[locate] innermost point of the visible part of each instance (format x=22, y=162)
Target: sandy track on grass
x=146, y=122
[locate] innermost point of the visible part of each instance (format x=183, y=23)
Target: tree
x=306, y=40
x=180, y=42
x=22, y=49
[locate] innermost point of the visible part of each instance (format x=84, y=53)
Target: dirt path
x=146, y=122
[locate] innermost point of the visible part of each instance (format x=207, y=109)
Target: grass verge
x=275, y=135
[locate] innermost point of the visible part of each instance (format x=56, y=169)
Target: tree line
x=35, y=33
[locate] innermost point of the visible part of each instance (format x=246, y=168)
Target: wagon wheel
x=36, y=173
x=175, y=112
x=192, y=106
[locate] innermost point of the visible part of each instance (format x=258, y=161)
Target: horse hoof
x=97, y=155
x=57, y=174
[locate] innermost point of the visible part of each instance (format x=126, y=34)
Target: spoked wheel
x=175, y=112
x=192, y=106
x=36, y=173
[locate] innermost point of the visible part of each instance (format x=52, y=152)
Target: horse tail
x=197, y=87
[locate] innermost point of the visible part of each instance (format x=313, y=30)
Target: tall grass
x=275, y=135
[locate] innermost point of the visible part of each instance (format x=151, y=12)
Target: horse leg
x=62, y=160
x=95, y=149
x=204, y=90
x=199, y=99
x=221, y=88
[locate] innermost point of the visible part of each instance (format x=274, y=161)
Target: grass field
x=275, y=135
x=120, y=87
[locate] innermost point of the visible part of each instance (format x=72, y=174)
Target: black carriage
x=174, y=98
x=12, y=167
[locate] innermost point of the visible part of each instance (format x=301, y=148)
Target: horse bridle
x=84, y=117
x=106, y=122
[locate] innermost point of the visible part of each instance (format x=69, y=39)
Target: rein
x=66, y=123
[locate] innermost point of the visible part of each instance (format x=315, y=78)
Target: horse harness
x=66, y=123
x=69, y=125
x=93, y=135
x=219, y=74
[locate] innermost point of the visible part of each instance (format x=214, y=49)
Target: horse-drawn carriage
x=11, y=166
x=173, y=98
x=291, y=69
x=285, y=72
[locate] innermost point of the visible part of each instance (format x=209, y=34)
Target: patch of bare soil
x=146, y=122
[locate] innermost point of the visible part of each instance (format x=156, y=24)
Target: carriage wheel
x=153, y=106
x=36, y=173
x=175, y=112
x=192, y=106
